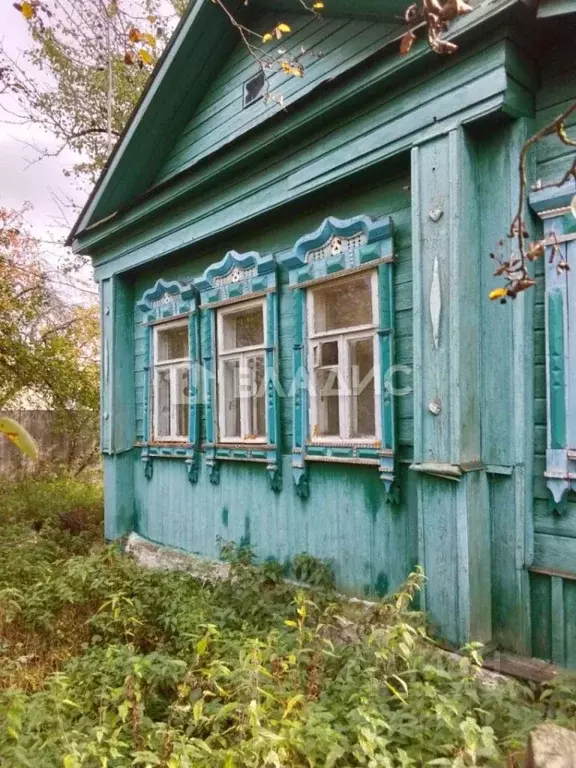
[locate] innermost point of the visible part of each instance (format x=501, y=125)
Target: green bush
x=105, y=664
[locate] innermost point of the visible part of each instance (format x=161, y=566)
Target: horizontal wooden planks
x=385, y=197
x=312, y=116
x=346, y=519
x=343, y=46
x=269, y=185
x=555, y=534
x=558, y=552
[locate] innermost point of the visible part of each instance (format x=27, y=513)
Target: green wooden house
x=298, y=350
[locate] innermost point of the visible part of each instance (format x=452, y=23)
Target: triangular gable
x=331, y=44
x=196, y=69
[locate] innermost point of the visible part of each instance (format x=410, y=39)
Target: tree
x=48, y=345
x=84, y=72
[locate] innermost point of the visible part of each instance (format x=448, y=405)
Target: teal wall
x=553, y=590
x=492, y=548
x=332, y=45
x=346, y=517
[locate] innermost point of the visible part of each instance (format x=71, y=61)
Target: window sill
x=335, y=442
x=243, y=451
x=346, y=452
x=167, y=450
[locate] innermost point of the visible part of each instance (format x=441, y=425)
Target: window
x=241, y=372
x=171, y=382
x=254, y=88
x=342, y=284
x=553, y=204
x=343, y=343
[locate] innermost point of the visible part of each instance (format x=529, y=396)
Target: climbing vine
x=515, y=269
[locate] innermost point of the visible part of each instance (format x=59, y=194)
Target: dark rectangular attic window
x=253, y=89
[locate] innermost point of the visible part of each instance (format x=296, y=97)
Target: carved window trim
x=166, y=303
x=236, y=279
x=340, y=249
x=553, y=207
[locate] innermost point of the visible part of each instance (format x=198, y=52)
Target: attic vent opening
x=254, y=89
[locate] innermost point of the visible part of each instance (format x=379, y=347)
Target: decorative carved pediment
x=339, y=245
x=166, y=299
x=236, y=276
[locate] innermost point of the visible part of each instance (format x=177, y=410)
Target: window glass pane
x=327, y=403
x=257, y=397
x=244, y=328
x=362, y=410
x=163, y=403
x=172, y=343
x=230, y=398
x=183, y=395
x=328, y=353
x=343, y=304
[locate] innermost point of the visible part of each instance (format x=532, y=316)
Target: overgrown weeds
x=105, y=664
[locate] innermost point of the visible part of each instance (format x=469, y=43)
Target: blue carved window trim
x=166, y=302
x=553, y=207
x=341, y=249
x=235, y=279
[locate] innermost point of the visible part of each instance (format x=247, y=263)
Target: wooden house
x=299, y=353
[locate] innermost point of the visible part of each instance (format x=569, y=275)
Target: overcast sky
x=22, y=176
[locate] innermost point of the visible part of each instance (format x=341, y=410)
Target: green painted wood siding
x=553, y=159
x=222, y=117
x=553, y=597
x=373, y=543
x=557, y=90
x=327, y=152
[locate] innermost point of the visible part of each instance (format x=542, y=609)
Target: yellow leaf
x=27, y=10
x=150, y=39
x=267, y=37
x=296, y=70
x=284, y=28
x=19, y=436
x=498, y=293
x=146, y=56
x=318, y=5
x=152, y=19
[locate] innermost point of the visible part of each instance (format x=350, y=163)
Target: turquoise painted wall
x=332, y=46
x=346, y=517
x=553, y=591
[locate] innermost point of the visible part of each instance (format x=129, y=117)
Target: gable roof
x=201, y=44
x=140, y=165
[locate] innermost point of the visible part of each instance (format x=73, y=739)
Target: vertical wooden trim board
x=452, y=495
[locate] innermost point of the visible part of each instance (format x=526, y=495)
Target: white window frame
x=173, y=366
x=343, y=336
x=241, y=354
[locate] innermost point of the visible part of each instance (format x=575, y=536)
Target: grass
x=106, y=665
